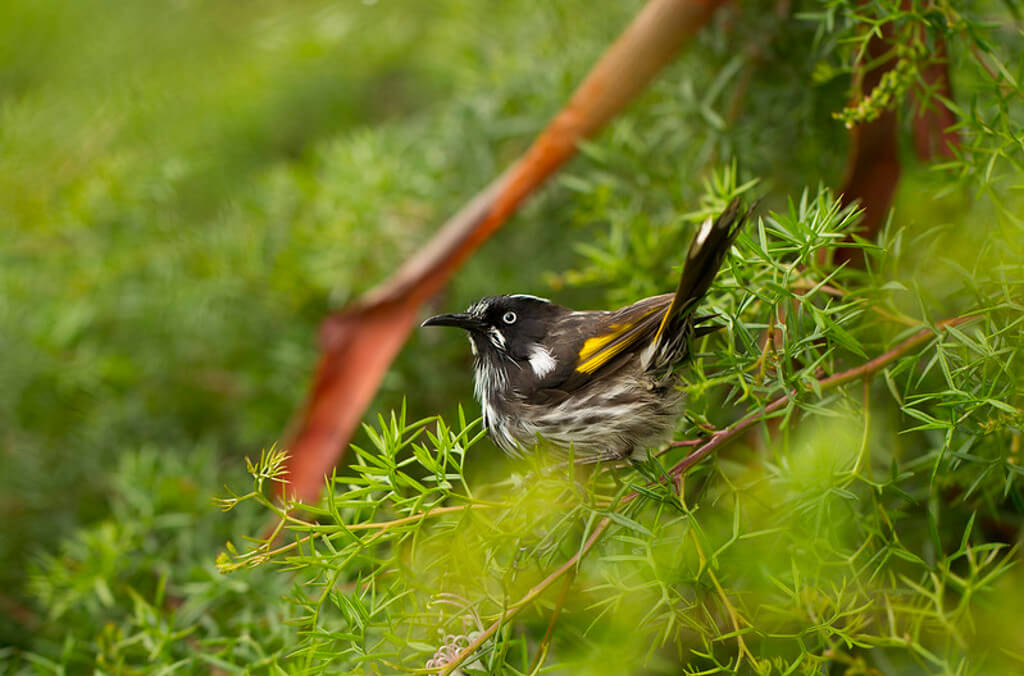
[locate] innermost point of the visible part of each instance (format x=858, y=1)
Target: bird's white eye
x=509, y=318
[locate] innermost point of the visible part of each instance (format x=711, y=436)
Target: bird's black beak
x=462, y=320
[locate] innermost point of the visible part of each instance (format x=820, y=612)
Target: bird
x=599, y=385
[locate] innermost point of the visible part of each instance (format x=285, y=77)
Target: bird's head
x=507, y=327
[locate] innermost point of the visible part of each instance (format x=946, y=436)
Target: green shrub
x=189, y=188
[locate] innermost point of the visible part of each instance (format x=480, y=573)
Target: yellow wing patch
x=597, y=351
x=590, y=356
x=664, y=321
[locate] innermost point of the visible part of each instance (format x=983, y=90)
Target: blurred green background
x=187, y=188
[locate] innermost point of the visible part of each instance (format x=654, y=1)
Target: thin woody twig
x=865, y=369
x=545, y=642
x=326, y=531
x=533, y=593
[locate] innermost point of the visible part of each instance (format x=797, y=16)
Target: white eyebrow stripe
x=541, y=360
x=529, y=297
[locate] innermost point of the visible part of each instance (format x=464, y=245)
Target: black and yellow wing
x=655, y=329
x=594, y=344
x=624, y=331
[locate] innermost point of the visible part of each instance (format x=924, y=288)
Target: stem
x=841, y=378
x=685, y=442
x=534, y=592
x=328, y=532
x=723, y=435
x=545, y=642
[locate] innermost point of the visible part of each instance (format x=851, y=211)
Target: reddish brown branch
x=934, y=135
x=360, y=342
x=873, y=167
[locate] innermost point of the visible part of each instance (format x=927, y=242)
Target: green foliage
x=168, y=256
x=140, y=589
x=188, y=188
x=847, y=536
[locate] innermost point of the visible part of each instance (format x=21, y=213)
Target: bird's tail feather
x=707, y=251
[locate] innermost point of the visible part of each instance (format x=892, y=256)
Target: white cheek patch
x=542, y=361
x=497, y=338
x=472, y=344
